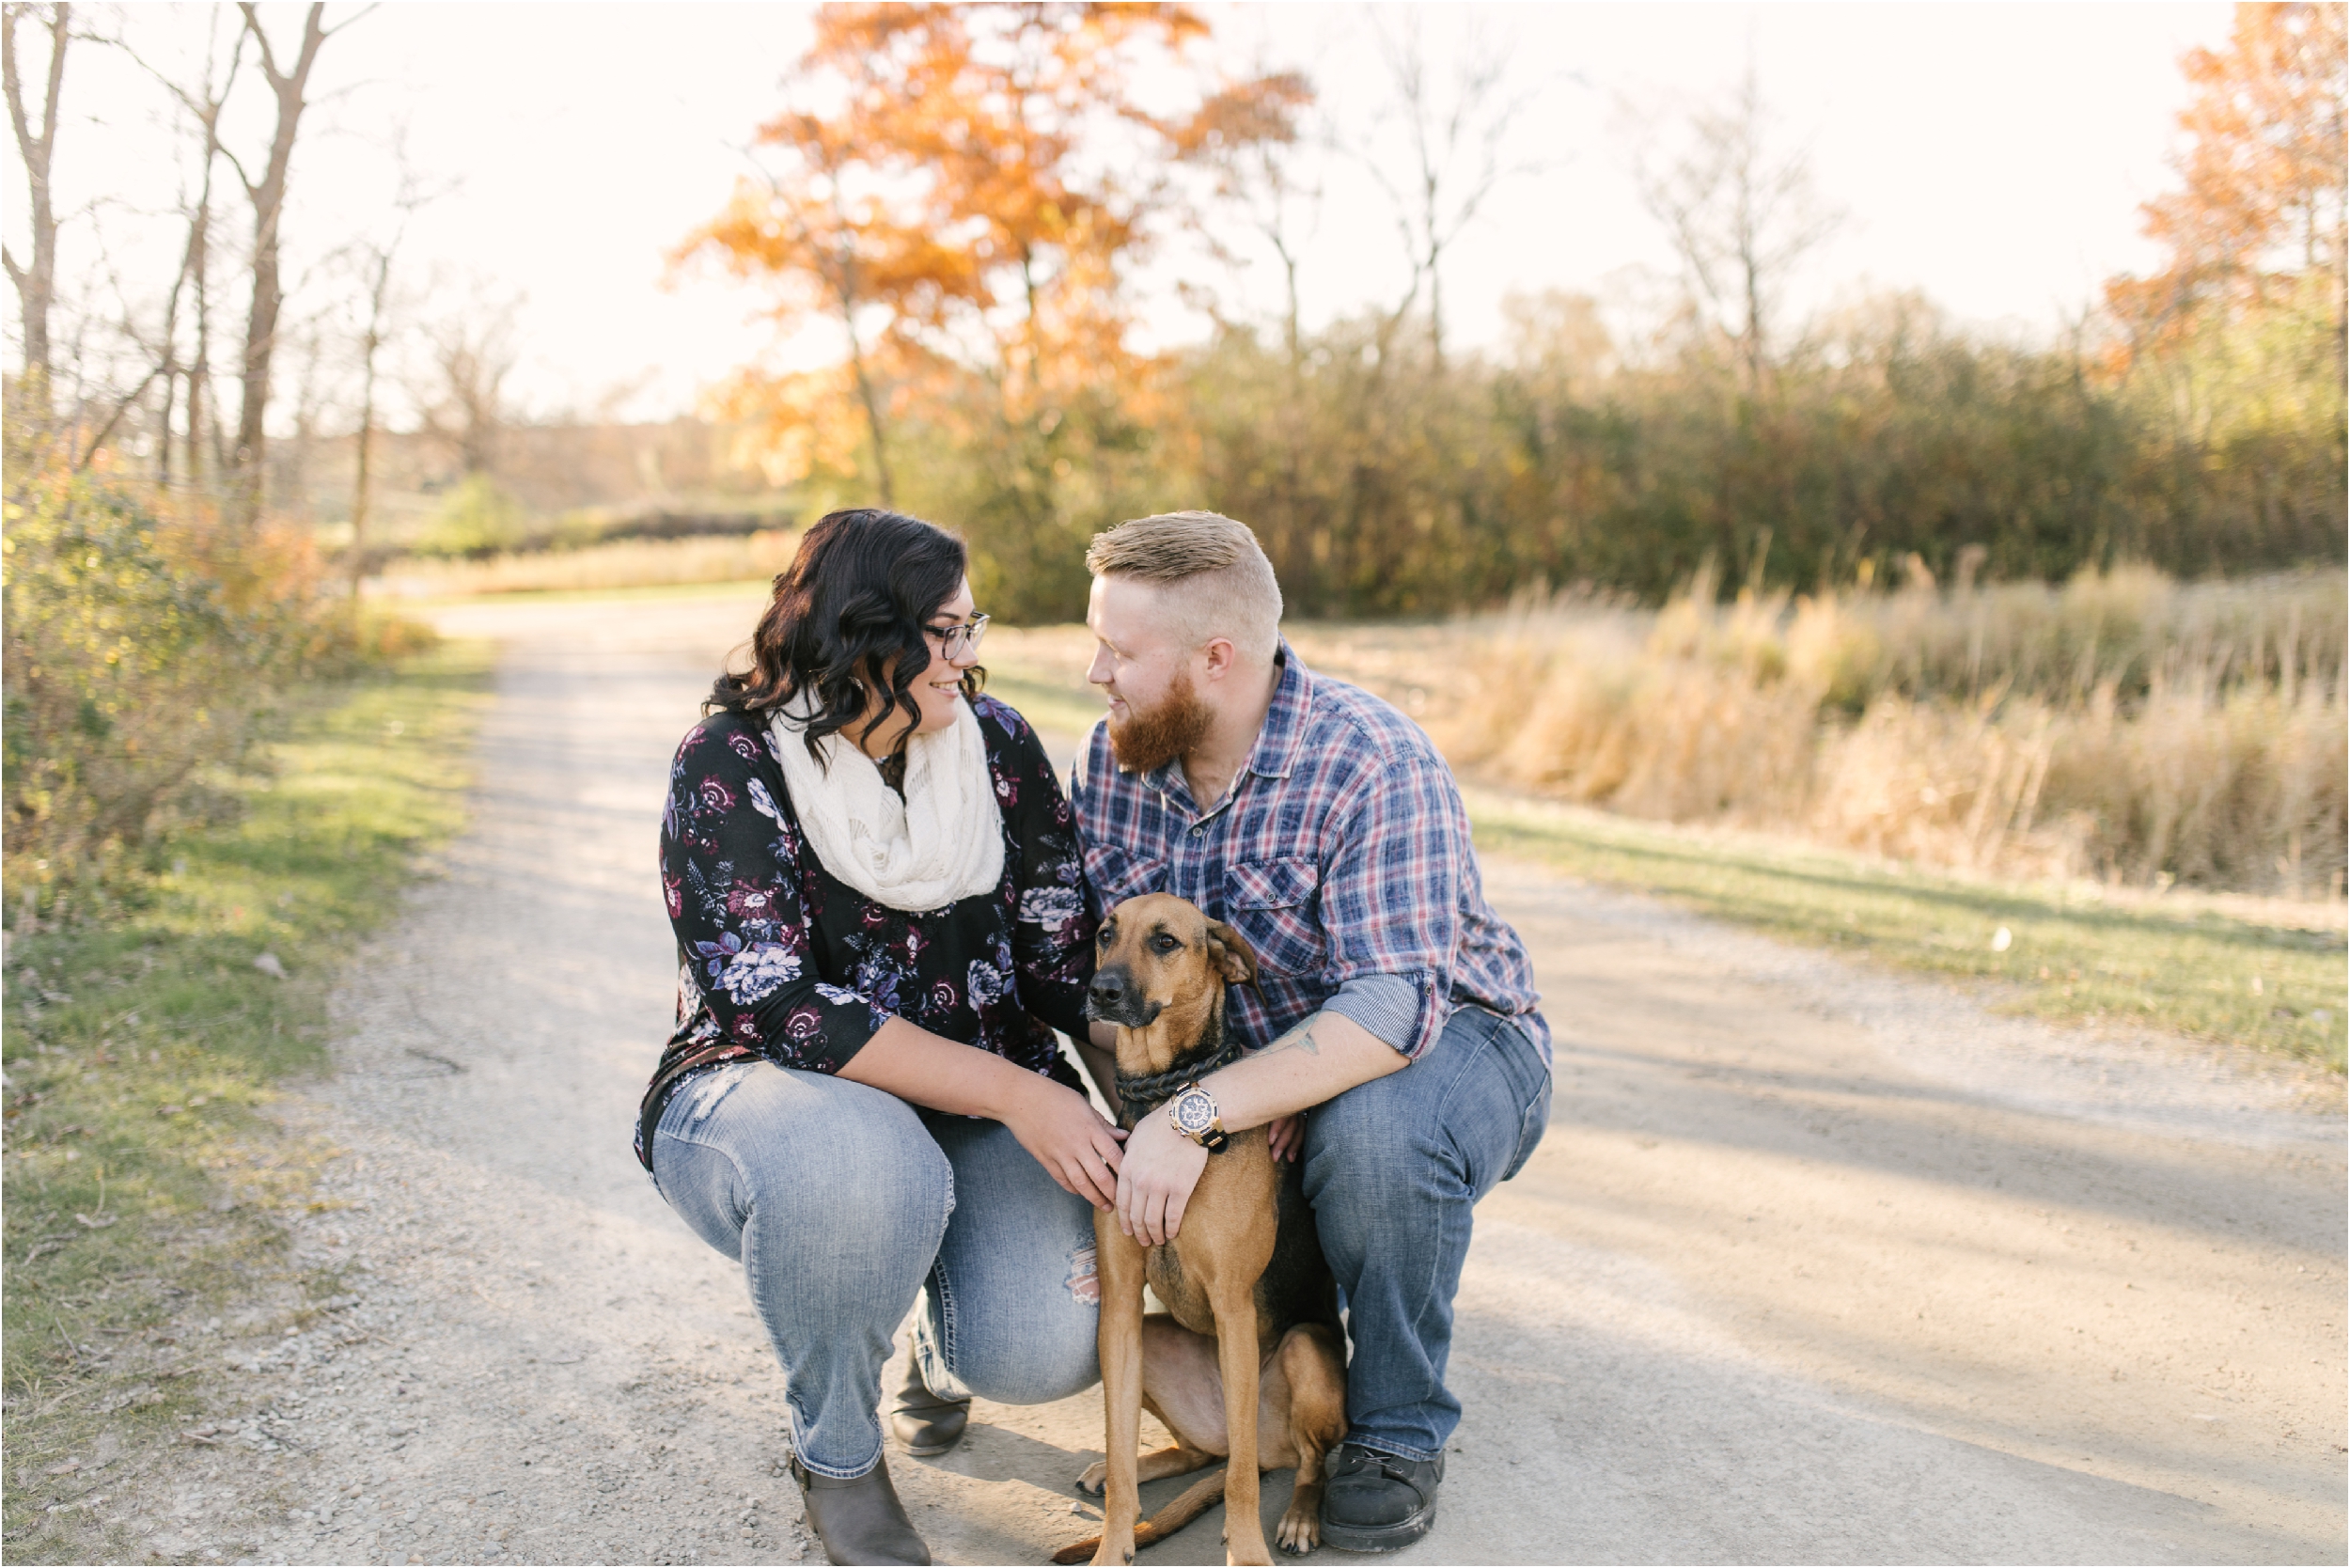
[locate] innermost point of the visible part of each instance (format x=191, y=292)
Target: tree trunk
x=267, y=196
x=360, y=496
x=198, y=266
x=868, y=395
x=193, y=262
x=846, y=289
x=36, y=285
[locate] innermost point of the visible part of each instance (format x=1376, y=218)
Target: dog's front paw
x=1298, y=1532
x=1095, y=1479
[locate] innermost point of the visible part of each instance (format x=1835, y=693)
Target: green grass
x=2073, y=955
x=144, y=1182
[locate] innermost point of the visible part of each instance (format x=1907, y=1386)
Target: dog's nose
x=1108, y=989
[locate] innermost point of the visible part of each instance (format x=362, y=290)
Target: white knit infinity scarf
x=943, y=842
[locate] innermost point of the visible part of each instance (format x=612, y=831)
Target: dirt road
x=1815, y=1264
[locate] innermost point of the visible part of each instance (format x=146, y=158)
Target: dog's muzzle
x=1110, y=999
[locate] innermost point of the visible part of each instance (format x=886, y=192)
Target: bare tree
x=370, y=346
x=376, y=263
x=466, y=409
x=203, y=103
x=1741, y=215
x=35, y=284
x=1247, y=138
x=289, y=85
x=1456, y=135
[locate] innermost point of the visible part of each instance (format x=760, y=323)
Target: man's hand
x=1155, y=1179
x=1286, y=1135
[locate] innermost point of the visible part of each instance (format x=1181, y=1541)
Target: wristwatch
x=1193, y=1113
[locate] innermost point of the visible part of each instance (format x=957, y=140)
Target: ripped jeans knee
x=1011, y=1307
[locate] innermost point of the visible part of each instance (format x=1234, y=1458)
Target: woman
x=874, y=881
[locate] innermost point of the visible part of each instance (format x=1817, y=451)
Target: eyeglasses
x=955, y=642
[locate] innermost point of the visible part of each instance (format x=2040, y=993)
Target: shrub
x=478, y=518
x=128, y=676
x=148, y=650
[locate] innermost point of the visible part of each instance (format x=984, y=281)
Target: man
x=1391, y=998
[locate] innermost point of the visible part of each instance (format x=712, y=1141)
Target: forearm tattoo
x=1301, y=1038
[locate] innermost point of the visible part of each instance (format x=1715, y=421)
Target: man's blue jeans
x=1392, y=1168
x=842, y=1201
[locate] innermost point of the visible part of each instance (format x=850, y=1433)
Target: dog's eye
x=1165, y=943
x=1102, y=937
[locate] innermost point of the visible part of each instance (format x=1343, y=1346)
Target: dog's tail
x=1202, y=1495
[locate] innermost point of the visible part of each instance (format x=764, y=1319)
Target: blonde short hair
x=1217, y=580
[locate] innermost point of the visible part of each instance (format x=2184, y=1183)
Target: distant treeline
x=1382, y=482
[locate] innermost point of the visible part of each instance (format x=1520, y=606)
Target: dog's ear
x=1230, y=952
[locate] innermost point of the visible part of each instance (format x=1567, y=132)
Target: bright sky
x=1992, y=156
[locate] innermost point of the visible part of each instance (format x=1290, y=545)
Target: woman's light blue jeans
x=842, y=1202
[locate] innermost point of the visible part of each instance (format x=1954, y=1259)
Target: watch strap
x=1213, y=1137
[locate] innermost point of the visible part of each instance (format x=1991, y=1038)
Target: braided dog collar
x=1136, y=1093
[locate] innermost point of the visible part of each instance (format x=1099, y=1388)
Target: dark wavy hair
x=852, y=604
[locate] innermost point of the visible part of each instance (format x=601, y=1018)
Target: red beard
x=1153, y=739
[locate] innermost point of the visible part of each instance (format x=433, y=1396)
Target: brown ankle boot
x=860, y=1520
x=926, y=1424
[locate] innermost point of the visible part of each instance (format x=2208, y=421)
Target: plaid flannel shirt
x=1342, y=851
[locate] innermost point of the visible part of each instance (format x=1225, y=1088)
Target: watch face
x=1194, y=1111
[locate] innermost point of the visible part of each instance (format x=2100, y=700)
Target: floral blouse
x=780, y=959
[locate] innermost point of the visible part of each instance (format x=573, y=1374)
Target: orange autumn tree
x=823, y=236
x=2260, y=220
x=964, y=191
x=2238, y=341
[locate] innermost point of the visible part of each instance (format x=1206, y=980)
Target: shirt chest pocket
x=1274, y=905
x=1117, y=874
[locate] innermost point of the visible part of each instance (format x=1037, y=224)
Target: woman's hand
x=1156, y=1181
x=1069, y=1139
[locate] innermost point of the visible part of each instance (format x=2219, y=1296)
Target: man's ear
x=1230, y=952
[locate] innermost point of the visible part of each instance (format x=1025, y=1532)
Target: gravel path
x=1816, y=1263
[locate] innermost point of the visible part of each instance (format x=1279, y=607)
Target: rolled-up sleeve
x=1391, y=901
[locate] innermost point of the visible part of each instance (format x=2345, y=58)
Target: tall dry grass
x=627, y=563
x=2122, y=724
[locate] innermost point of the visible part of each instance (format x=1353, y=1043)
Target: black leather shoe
x=860, y=1520
x=924, y=1423
x=1375, y=1502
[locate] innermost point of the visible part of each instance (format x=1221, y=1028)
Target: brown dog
x=1246, y=1362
